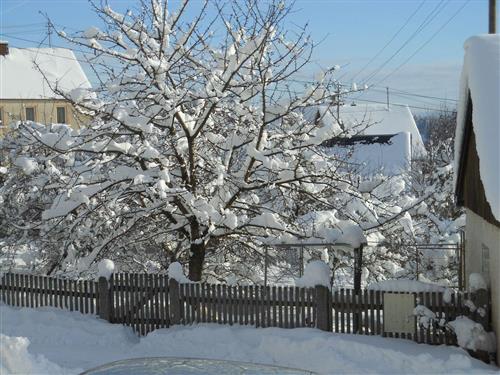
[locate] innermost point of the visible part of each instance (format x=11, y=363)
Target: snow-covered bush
x=471, y=335
x=425, y=316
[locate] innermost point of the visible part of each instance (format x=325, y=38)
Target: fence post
x=323, y=308
x=175, y=302
x=104, y=296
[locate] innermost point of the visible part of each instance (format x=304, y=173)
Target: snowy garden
x=209, y=178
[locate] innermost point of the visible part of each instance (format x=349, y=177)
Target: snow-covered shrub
x=425, y=316
x=471, y=335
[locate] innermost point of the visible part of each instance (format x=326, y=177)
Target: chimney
x=4, y=48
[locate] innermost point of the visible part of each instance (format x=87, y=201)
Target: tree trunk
x=196, y=261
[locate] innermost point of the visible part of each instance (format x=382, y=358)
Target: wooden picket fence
x=255, y=305
x=147, y=302
x=362, y=312
x=37, y=291
x=140, y=301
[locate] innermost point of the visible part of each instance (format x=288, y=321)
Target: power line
x=40, y=43
x=27, y=31
x=407, y=93
x=64, y=57
x=22, y=26
x=56, y=55
x=421, y=100
x=425, y=43
x=430, y=17
x=406, y=105
x=398, y=92
x=390, y=41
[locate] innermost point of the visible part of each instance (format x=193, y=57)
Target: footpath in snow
x=53, y=341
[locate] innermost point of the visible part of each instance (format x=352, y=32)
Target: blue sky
x=428, y=49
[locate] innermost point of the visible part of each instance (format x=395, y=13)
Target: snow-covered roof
x=384, y=120
x=481, y=77
x=389, y=155
x=20, y=79
x=375, y=119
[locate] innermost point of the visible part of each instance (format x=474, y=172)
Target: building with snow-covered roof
x=27, y=79
x=389, y=155
x=377, y=119
x=477, y=163
x=379, y=139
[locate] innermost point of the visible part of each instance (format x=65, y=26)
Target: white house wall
x=481, y=235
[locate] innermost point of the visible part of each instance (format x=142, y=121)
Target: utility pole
x=492, y=25
x=49, y=33
x=387, y=90
x=338, y=102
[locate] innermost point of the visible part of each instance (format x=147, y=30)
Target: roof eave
x=463, y=152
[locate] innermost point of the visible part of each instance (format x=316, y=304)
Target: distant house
x=376, y=138
x=26, y=94
x=477, y=162
x=389, y=155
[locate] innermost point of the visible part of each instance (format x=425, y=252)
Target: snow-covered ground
x=53, y=341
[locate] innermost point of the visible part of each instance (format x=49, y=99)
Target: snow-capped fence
x=147, y=302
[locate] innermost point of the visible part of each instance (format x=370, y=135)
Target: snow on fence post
x=104, y=295
x=175, y=302
x=323, y=307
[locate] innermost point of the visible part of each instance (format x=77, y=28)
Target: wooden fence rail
x=147, y=302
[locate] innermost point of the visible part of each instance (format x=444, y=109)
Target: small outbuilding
x=477, y=163
x=373, y=138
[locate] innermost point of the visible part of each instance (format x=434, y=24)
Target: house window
x=30, y=113
x=61, y=115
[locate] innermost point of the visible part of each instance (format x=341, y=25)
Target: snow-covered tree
x=196, y=139
x=197, y=151
x=432, y=219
